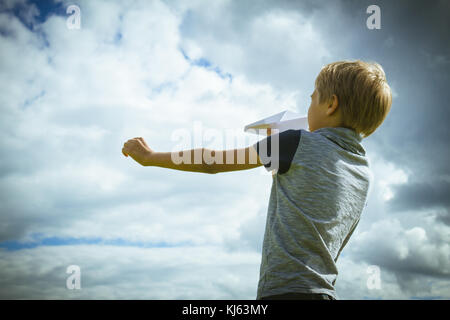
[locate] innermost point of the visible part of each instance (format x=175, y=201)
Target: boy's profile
x=321, y=182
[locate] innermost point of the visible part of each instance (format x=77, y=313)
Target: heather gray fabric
x=313, y=209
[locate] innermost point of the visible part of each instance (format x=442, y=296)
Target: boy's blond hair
x=363, y=93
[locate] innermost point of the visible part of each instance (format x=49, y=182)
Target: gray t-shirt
x=319, y=189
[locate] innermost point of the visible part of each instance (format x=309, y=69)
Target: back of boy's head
x=363, y=93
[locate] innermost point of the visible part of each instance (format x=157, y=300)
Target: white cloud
x=111, y=272
x=267, y=45
x=352, y=282
x=407, y=251
x=92, y=95
x=388, y=175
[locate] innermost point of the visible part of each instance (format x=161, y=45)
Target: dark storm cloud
x=417, y=130
x=421, y=196
x=411, y=46
x=414, y=137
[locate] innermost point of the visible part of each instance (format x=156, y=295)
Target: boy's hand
x=137, y=149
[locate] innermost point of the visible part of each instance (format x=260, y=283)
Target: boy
x=320, y=183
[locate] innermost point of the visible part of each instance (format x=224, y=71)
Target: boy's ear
x=333, y=105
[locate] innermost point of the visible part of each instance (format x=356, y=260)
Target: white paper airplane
x=282, y=121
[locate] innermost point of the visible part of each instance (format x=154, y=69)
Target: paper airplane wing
x=282, y=121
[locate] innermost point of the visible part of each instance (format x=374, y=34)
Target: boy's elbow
x=210, y=169
x=209, y=166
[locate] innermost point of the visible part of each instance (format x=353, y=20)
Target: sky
x=70, y=98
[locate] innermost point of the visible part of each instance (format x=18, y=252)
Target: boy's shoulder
x=277, y=152
x=338, y=138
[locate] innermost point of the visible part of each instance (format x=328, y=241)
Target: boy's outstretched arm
x=194, y=160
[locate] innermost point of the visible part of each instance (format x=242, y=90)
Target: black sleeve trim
x=288, y=144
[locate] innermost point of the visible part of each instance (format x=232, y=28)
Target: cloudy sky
x=70, y=98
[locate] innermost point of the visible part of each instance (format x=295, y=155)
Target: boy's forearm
x=166, y=160
x=204, y=160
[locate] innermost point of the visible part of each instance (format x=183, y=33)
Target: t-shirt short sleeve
x=288, y=142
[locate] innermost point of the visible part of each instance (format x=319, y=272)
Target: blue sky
x=71, y=98
x=41, y=240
